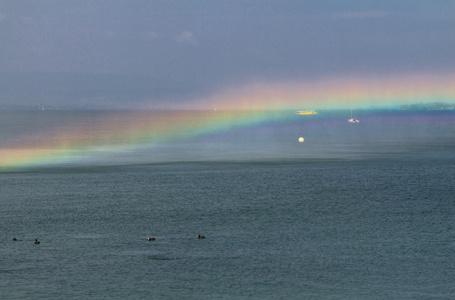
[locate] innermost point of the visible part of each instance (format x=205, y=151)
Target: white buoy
x=301, y=139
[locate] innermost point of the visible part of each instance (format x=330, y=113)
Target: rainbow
x=336, y=93
x=115, y=133
x=120, y=133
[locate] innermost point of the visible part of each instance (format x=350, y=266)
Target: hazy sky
x=107, y=53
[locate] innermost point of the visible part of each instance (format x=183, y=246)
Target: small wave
x=160, y=257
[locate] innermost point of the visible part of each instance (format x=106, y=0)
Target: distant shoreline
x=415, y=106
x=428, y=106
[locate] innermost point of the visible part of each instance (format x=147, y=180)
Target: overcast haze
x=118, y=54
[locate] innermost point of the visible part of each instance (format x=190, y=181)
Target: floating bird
x=150, y=239
x=200, y=236
x=37, y=242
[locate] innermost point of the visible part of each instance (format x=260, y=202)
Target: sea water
x=356, y=211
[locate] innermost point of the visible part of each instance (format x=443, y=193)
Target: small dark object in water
x=37, y=242
x=14, y=239
x=200, y=236
x=151, y=239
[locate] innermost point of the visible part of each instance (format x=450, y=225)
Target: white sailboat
x=353, y=120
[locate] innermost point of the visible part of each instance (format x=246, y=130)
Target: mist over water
x=101, y=138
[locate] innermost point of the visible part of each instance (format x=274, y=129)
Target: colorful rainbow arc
x=253, y=105
x=140, y=130
x=337, y=93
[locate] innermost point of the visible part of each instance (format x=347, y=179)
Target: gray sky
x=108, y=53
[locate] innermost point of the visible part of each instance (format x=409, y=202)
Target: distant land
x=6, y=107
x=27, y=107
x=429, y=106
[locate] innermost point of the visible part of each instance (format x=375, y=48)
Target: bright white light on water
x=301, y=139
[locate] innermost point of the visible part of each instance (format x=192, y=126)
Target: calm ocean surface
x=357, y=211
